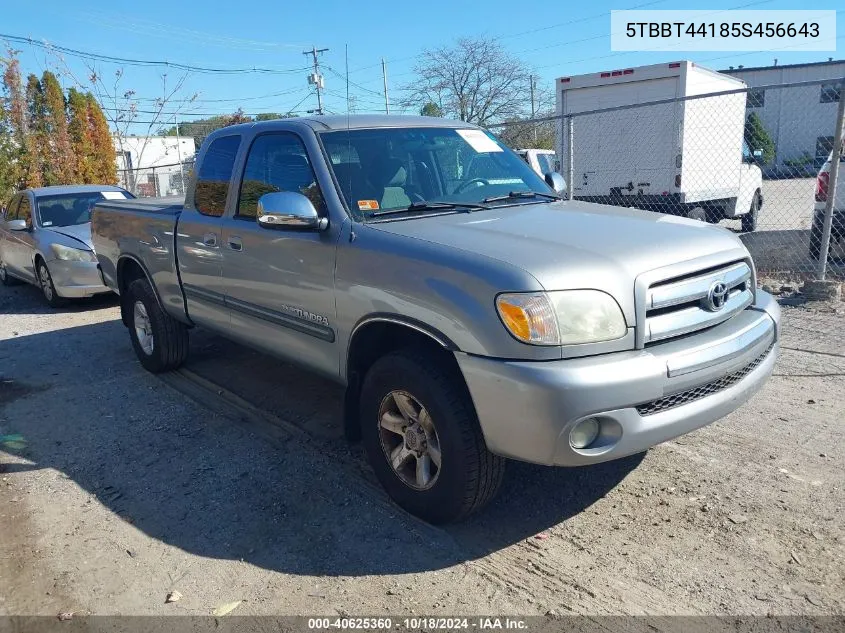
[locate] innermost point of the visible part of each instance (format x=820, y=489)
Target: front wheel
x=749, y=220
x=159, y=340
x=48, y=288
x=423, y=439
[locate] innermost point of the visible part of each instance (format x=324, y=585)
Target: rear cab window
x=215, y=175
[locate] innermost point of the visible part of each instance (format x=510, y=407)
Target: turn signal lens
x=529, y=317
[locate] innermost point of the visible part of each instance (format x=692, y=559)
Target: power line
x=146, y=62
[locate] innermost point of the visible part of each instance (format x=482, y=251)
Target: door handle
x=210, y=239
x=235, y=243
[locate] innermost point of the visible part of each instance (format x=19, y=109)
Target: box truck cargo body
x=680, y=155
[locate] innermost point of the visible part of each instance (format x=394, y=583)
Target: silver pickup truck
x=471, y=314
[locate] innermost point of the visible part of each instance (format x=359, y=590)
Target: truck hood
x=77, y=233
x=570, y=244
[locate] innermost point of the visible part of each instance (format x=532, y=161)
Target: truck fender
x=122, y=284
x=361, y=352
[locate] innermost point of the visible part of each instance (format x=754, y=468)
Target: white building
x=800, y=119
x=153, y=165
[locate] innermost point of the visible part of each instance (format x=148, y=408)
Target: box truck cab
x=542, y=161
x=650, y=137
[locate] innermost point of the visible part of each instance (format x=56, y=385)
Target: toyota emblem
x=716, y=297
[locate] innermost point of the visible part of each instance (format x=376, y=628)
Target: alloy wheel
x=143, y=328
x=46, y=282
x=409, y=440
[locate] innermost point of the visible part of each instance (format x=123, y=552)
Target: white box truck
x=682, y=156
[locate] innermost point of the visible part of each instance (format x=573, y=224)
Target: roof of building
x=743, y=69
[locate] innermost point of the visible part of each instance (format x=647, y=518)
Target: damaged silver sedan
x=45, y=240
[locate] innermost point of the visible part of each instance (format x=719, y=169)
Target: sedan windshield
x=71, y=208
x=389, y=170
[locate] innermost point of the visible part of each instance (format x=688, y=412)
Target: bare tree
x=121, y=108
x=122, y=111
x=521, y=132
x=474, y=80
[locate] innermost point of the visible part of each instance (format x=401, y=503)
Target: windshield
x=548, y=163
x=71, y=208
x=392, y=168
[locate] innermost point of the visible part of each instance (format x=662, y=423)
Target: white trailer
x=684, y=156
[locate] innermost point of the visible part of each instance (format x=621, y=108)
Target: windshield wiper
x=516, y=195
x=428, y=206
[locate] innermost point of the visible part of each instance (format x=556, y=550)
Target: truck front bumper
x=75, y=280
x=640, y=398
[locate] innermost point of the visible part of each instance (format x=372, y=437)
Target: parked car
x=45, y=239
x=663, y=157
x=470, y=313
x=823, y=194
x=543, y=161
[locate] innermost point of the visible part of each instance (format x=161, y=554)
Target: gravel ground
x=123, y=488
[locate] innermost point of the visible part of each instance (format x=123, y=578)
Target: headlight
x=567, y=317
x=68, y=254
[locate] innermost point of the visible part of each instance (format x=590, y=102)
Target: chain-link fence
x=757, y=161
x=158, y=181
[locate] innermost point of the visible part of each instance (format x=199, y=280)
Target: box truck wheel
x=749, y=220
x=698, y=213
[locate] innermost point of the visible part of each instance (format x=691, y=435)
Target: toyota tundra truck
x=471, y=315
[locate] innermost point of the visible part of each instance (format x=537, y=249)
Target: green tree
x=59, y=164
x=758, y=138
x=36, y=150
x=12, y=129
x=431, y=109
x=104, y=167
x=80, y=137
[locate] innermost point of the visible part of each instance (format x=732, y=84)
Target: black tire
x=169, y=337
x=749, y=220
x=815, y=241
x=698, y=213
x=469, y=475
x=48, y=288
x=5, y=278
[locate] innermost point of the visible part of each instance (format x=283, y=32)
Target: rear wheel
x=749, y=220
x=5, y=278
x=423, y=439
x=159, y=340
x=698, y=213
x=815, y=241
x=48, y=289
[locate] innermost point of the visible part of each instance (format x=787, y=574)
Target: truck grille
x=683, y=305
x=702, y=391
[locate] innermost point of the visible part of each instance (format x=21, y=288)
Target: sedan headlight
x=566, y=317
x=68, y=254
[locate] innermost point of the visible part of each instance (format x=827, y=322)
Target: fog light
x=584, y=433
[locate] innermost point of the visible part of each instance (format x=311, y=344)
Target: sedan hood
x=76, y=233
x=570, y=244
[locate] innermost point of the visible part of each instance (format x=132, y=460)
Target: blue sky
x=553, y=38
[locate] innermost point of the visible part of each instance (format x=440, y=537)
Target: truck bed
x=142, y=230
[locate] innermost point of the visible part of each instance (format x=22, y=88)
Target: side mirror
x=556, y=182
x=17, y=225
x=289, y=210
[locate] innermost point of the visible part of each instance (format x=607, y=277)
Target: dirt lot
x=123, y=488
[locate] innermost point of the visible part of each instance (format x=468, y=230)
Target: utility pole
x=533, y=109
x=179, y=154
x=384, y=77
x=315, y=78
